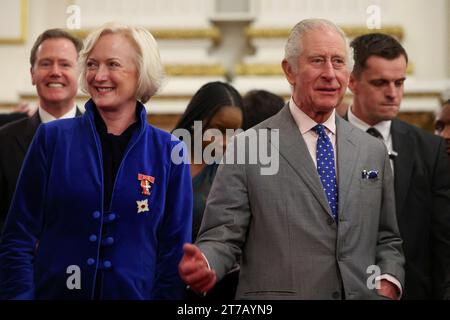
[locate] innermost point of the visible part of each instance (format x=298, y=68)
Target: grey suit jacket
x=281, y=227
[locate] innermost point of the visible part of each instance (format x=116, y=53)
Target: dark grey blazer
x=422, y=193
x=281, y=224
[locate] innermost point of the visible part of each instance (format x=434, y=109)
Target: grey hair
x=148, y=61
x=294, y=45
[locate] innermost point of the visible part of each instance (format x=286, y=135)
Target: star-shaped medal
x=142, y=206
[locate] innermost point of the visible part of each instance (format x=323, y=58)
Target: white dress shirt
x=384, y=127
x=305, y=124
x=47, y=117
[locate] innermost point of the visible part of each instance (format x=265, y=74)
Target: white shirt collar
x=47, y=117
x=384, y=127
x=305, y=123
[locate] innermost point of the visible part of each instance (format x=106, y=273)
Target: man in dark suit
x=419, y=161
x=10, y=117
x=54, y=72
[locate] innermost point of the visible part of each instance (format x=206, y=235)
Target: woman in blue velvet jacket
x=104, y=202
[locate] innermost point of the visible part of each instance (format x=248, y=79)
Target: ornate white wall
x=204, y=40
x=422, y=25
x=153, y=14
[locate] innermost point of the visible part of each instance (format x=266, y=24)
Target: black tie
x=374, y=132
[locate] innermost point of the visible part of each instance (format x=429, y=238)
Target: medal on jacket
x=142, y=206
x=146, y=182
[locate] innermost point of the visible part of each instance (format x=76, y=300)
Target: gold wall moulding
x=6, y=107
x=422, y=119
x=163, y=120
x=85, y=97
x=259, y=69
x=170, y=34
x=350, y=31
x=22, y=24
x=195, y=70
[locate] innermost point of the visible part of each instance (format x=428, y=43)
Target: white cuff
x=392, y=280
x=207, y=262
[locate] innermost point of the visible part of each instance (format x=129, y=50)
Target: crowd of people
x=146, y=214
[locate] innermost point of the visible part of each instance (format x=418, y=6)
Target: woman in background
x=101, y=210
x=218, y=106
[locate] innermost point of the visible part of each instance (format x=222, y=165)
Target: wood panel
x=424, y=120
x=167, y=122
x=164, y=121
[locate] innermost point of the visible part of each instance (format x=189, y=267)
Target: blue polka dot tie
x=325, y=168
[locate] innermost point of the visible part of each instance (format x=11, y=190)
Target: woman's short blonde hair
x=148, y=61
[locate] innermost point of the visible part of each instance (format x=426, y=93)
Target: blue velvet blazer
x=58, y=243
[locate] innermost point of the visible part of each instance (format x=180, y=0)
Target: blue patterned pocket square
x=369, y=174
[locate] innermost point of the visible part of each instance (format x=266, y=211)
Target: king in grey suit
x=281, y=226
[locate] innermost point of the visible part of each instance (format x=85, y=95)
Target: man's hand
x=388, y=289
x=25, y=107
x=194, y=270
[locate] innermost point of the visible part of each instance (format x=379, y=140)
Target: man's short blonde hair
x=148, y=61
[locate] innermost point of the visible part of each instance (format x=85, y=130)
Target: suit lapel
x=293, y=149
x=403, y=164
x=24, y=139
x=33, y=123
x=347, y=156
